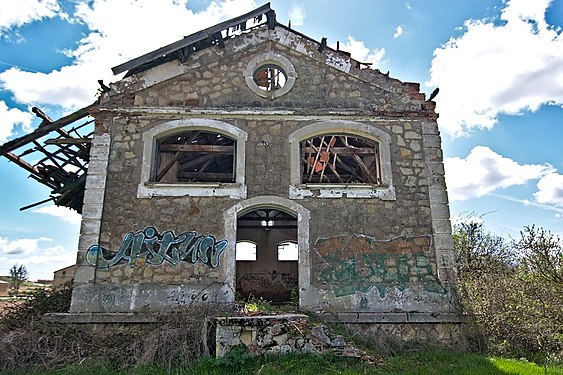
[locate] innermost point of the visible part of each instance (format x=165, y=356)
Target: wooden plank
x=22, y=163
x=45, y=129
x=37, y=203
x=191, y=39
x=216, y=149
x=316, y=156
x=67, y=141
x=365, y=169
x=174, y=159
x=208, y=176
x=345, y=150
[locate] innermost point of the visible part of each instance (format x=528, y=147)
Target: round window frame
x=271, y=59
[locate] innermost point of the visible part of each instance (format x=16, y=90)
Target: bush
x=513, y=309
x=30, y=341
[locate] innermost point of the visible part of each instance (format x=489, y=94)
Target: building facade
x=255, y=161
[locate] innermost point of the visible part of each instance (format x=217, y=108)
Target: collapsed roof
x=56, y=154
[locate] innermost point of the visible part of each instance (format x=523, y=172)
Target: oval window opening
x=270, y=77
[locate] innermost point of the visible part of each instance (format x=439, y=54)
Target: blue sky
x=498, y=64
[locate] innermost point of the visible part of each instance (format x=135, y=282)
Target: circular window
x=270, y=75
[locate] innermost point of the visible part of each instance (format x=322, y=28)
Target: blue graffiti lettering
x=155, y=248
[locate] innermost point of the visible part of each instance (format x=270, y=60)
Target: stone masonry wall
x=394, y=268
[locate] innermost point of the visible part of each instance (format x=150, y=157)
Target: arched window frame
x=299, y=190
x=235, y=190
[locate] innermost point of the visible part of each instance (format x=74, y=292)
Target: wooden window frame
x=340, y=158
x=195, y=156
x=149, y=188
x=379, y=187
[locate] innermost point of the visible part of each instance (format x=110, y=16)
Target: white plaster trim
x=297, y=190
x=274, y=58
x=237, y=190
x=230, y=216
x=92, y=211
x=439, y=208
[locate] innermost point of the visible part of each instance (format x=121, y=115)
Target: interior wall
x=267, y=277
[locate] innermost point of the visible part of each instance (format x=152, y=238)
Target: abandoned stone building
x=250, y=160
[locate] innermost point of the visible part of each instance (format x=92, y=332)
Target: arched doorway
x=227, y=268
x=267, y=255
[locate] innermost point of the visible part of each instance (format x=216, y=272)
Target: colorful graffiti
x=154, y=248
x=358, y=263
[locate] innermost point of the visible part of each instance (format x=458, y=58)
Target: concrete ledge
x=102, y=318
x=352, y=317
x=257, y=320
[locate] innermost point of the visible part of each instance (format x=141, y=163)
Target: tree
x=478, y=250
x=18, y=274
x=542, y=253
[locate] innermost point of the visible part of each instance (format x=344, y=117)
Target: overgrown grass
x=423, y=362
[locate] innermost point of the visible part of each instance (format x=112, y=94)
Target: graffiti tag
x=357, y=263
x=154, y=248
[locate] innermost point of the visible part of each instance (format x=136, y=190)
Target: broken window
x=270, y=77
x=195, y=156
x=339, y=158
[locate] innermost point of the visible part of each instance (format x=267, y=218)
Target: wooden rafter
x=195, y=156
x=340, y=159
x=58, y=156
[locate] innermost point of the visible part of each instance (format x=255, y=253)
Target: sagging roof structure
x=56, y=154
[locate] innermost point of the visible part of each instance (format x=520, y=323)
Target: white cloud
x=484, y=171
x=398, y=31
x=510, y=67
x=9, y=118
x=22, y=246
x=550, y=189
x=297, y=15
x=360, y=52
x=144, y=25
x=63, y=213
x=20, y=12
x=39, y=260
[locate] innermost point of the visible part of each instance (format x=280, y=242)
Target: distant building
x=63, y=276
x=4, y=288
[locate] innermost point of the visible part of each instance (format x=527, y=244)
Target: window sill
x=231, y=190
x=386, y=193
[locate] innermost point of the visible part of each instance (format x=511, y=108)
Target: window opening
x=288, y=250
x=195, y=156
x=340, y=159
x=270, y=77
x=245, y=250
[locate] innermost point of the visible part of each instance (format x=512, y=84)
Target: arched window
x=337, y=158
x=340, y=159
x=288, y=250
x=245, y=250
x=195, y=156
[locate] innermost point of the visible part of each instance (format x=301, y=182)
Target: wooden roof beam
x=196, y=37
x=45, y=129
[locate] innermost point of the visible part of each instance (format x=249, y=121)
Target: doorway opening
x=267, y=256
